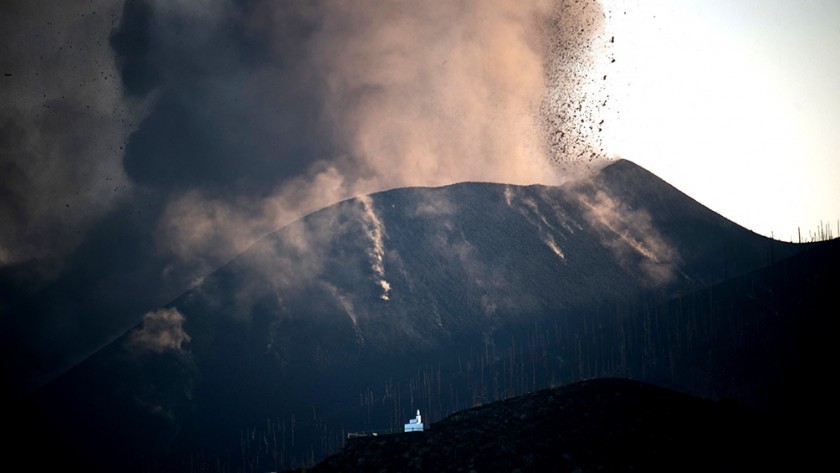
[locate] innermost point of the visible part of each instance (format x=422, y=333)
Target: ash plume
x=375, y=232
x=234, y=118
x=632, y=238
x=396, y=94
x=154, y=140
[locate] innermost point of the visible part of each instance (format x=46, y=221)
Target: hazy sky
x=144, y=143
x=735, y=102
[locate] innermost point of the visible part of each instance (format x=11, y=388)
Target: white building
x=415, y=424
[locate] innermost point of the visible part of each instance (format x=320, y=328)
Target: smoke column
x=417, y=94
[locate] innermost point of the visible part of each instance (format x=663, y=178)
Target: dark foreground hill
x=430, y=298
x=609, y=425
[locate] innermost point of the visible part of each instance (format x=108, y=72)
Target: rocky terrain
x=610, y=425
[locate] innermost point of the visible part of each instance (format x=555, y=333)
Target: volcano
x=440, y=299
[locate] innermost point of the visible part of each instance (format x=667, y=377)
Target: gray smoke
x=145, y=144
x=62, y=127
x=402, y=94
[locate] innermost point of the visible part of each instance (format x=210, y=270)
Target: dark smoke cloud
x=341, y=99
x=228, y=114
x=152, y=141
x=62, y=124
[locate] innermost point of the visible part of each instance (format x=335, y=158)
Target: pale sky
x=734, y=102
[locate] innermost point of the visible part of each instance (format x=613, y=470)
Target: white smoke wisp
x=162, y=331
x=508, y=196
x=375, y=232
x=203, y=232
x=627, y=231
x=437, y=205
x=346, y=304
x=530, y=210
x=549, y=241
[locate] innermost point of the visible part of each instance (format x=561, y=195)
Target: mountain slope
x=359, y=313
x=596, y=425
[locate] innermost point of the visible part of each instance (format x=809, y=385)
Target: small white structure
x=415, y=424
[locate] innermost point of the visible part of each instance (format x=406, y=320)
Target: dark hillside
x=762, y=338
x=611, y=425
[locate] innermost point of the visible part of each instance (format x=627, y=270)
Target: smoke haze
x=403, y=94
x=151, y=142
x=59, y=84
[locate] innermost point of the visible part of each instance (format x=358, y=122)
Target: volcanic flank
x=433, y=298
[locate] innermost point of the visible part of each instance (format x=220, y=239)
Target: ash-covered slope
x=356, y=314
x=613, y=425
